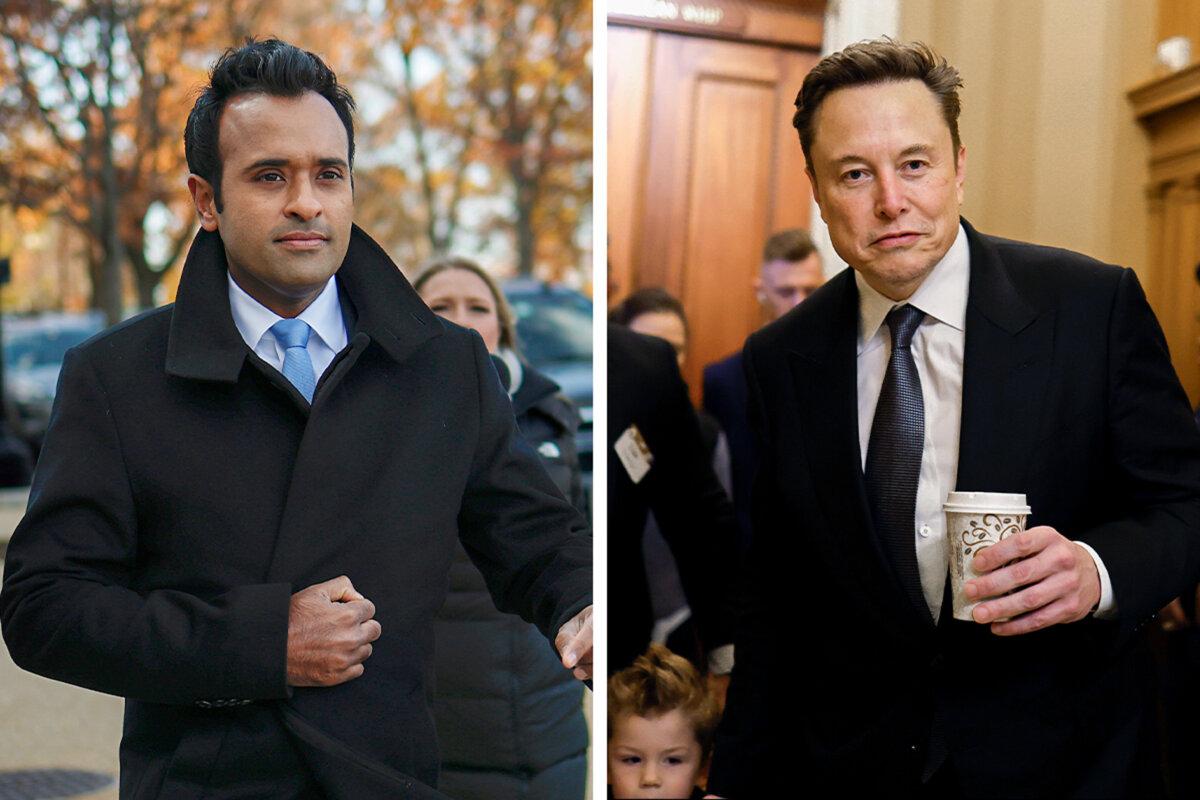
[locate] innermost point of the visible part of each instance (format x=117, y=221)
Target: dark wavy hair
x=271, y=67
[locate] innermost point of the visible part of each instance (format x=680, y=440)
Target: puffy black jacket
x=509, y=717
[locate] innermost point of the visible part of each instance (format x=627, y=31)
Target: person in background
x=509, y=719
x=790, y=271
x=656, y=312
x=661, y=721
x=657, y=463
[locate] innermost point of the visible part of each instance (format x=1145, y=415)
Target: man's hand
x=1053, y=580
x=574, y=644
x=330, y=630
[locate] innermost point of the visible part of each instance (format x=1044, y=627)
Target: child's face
x=656, y=757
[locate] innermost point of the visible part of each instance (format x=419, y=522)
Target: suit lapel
x=1006, y=369
x=825, y=373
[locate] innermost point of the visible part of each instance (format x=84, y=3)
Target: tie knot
x=291, y=332
x=903, y=321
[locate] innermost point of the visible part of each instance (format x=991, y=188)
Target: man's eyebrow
x=911, y=150
x=267, y=162
x=328, y=161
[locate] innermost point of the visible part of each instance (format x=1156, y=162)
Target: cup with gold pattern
x=975, y=520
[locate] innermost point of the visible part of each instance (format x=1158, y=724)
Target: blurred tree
x=475, y=128
x=94, y=99
x=484, y=99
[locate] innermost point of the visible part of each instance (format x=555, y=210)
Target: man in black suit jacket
x=208, y=520
x=790, y=271
x=673, y=477
x=1040, y=372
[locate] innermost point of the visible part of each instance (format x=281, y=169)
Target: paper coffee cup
x=975, y=520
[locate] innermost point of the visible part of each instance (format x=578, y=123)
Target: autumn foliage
x=474, y=134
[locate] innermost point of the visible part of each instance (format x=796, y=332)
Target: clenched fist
x=330, y=630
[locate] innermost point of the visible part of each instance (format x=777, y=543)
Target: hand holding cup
x=1032, y=580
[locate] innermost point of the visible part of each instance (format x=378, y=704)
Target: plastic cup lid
x=987, y=501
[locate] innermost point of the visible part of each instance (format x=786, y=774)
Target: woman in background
x=509, y=717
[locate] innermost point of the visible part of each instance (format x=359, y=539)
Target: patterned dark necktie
x=894, y=452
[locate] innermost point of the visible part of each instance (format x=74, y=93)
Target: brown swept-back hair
x=877, y=61
x=660, y=682
x=793, y=244
x=504, y=312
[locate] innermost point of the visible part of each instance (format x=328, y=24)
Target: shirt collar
x=323, y=315
x=942, y=295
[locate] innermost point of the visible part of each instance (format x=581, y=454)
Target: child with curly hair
x=661, y=722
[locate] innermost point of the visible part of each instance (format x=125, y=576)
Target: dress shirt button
x=925, y=531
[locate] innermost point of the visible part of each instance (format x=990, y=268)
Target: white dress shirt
x=937, y=349
x=323, y=315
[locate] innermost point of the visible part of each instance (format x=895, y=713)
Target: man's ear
x=206, y=204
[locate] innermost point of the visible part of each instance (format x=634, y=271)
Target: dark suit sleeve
x=1152, y=553
x=533, y=548
x=70, y=607
x=691, y=507
x=743, y=743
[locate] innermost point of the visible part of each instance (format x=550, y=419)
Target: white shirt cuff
x=1107, y=607
x=720, y=660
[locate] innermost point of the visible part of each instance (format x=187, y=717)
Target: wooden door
x=1174, y=293
x=702, y=169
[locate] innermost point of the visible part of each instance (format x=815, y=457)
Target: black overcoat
x=646, y=391
x=1068, y=397
x=186, y=490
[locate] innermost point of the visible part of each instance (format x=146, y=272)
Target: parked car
x=554, y=331
x=34, y=348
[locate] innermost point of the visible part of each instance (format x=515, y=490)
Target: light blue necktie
x=297, y=365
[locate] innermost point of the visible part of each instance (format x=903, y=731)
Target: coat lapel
x=824, y=369
x=203, y=343
x=387, y=322
x=1006, y=369
x=387, y=312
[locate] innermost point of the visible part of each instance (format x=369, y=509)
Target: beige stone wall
x=1054, y=155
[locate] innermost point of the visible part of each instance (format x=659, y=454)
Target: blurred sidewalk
x=47, y=725
x=12, y=508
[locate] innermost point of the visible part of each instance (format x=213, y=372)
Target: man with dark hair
x=948, y=360
x=790, y=271
x=226, y=482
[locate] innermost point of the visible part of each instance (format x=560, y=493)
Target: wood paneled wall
x=703, y=165
x=1179, y=18
x=1169, y=108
